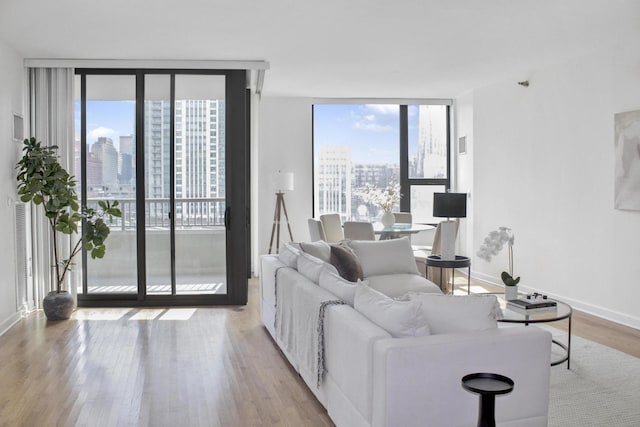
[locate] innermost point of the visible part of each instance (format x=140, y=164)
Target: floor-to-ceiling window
x=156, y=141
x=358, y=146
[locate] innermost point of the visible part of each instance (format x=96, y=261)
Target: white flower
x=385, y=198
x=493, y=244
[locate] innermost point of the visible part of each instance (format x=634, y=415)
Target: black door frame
x=237, y=220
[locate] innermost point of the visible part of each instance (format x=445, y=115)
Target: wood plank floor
x=151, y=367
x=172, y=367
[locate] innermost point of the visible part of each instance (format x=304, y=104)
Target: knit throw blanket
x=299, y=324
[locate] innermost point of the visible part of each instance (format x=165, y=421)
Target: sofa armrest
x=349, y=339
x=417, y=381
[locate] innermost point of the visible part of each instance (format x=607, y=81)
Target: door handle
x=227, y=218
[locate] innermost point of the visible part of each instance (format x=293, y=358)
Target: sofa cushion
x=310, y=266
x=346, y=262
x=337, y=285
x=385, y=256
x=464, y=313
x=399, y=318
x=397, y=285
x=319, y=249
x=289, y=255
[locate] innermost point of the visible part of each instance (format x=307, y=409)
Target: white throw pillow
x=310, y=266
x=340, y=287
x=289, y=255
x=465, y=313
x=385, y=256
x=399, y=318
x=319, y=249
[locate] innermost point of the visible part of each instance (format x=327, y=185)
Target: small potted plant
x=491, y=246
x=43, y=181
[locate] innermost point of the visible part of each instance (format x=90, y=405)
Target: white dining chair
x=316, y=230
x=332, y=227
x=357, y=230
x=403, y=217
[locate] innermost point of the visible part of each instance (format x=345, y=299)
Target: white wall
x=543, y=164
x=539, y=160
x=463, y=109
x=11, y=101
x=284, y=144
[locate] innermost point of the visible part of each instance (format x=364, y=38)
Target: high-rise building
x=127, y=160
x=156, y=149
x=105, y=152
x=125, y=169
x=431, y=160
x=127, y=144
x=333, y=180
x=199, y=154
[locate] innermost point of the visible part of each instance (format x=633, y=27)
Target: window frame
x=405, y=182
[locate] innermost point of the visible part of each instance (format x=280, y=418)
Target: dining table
x=399, y=229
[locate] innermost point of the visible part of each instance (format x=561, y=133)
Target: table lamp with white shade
x=281, y=182
x=449, y=205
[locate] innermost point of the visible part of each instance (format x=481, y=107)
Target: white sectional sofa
x=372, y=378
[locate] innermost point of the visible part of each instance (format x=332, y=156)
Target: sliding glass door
x=179, y=170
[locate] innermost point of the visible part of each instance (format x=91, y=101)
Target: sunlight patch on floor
x=178, y=314
x=100, y=313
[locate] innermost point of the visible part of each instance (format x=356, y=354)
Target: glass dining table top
x=401, y=228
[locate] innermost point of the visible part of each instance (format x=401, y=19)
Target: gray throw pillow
x=346, y=262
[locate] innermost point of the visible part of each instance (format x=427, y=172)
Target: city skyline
x=356, y=146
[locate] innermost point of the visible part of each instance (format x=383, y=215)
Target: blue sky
x=372, y=130
x=108, y=118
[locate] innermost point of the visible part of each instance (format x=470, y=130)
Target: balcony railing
x=189, y=213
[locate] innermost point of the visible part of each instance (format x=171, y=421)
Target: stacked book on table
x=531, y=305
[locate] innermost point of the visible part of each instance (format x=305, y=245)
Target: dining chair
x=316, y=230
x=332, y=225
x=358, y=230
x=403, y=217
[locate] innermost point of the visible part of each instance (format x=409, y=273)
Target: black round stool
x=487, y=386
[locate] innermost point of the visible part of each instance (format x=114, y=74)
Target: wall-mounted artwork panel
x=627, y=155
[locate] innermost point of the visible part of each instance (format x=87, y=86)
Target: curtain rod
x=146, y=63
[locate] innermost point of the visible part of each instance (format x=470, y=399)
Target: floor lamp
x=281, y=181
x=449, y=205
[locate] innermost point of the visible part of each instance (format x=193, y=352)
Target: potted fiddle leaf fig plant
x=44, y=182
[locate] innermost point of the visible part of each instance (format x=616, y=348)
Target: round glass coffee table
x=562, y=311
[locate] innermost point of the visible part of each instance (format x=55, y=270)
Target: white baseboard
x=614, y=316
x=9, y=322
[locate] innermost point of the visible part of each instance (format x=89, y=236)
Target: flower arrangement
x=493, y=244
x=385, y=198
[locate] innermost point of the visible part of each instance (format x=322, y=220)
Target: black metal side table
x=459, y=262
x=488, y=386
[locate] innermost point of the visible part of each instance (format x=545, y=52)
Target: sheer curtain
x=50, y=96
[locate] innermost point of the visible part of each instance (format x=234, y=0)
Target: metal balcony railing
x=189, y=213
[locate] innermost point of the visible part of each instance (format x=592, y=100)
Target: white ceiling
x=330, y=48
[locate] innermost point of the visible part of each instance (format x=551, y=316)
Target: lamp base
x=448, y=240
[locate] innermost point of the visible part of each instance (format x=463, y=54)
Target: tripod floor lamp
x=281, y=181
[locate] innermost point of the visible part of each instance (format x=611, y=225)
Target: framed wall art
x=627, y=160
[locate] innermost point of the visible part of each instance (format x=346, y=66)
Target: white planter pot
x=388, y=219
x=510, y=292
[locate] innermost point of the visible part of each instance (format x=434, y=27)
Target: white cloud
x=372, y=126
x=101, y=131
x=371, y=121
x=383, y=108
